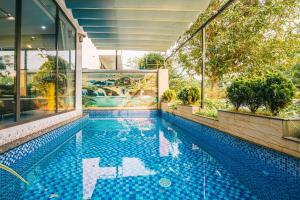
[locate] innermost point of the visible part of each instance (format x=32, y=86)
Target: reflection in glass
x=66, y=64
x=38, y=57
x=7, y=62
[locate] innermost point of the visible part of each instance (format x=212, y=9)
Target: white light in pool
x=164, y=182
x=43, y=27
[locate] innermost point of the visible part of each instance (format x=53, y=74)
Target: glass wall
x=46, y=69
x=38, y=59
x=66, y=64
x=7, y=61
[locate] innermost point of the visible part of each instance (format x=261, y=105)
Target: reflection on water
x=145, y=159
x=169, y=146
x=92, y=172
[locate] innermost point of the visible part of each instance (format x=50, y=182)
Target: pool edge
x=20, y=141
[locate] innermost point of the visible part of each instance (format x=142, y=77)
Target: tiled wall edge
x=284, y=161
x=14, y=136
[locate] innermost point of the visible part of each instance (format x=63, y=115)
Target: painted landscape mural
x=119, y=90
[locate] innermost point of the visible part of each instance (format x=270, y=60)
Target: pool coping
x=13, y=144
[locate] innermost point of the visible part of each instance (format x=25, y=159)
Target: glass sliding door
x=37, y=51
x=66, y=64
x=7, y=62
x=38, y=55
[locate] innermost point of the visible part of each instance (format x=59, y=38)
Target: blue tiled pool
x=146, y=155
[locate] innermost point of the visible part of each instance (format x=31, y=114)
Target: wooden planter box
x=271, y=132
x=164, y=106
x=186, y=109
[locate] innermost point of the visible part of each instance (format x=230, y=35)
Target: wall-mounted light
x=7, y=15
x=29, y=46
x=81, y=36
x=43, y=27
x=10, y=17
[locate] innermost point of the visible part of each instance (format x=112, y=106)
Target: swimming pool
x=146, y=155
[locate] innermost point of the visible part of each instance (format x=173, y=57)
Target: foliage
x=236, y=92
x=47, y=75
x=249, y=38
x=274, y=91
x=88, y=101
x=212, y=106
x=295, y=75
x=279, y=92
x=254, y=94
x=189, y=95
x=169, y=95
x=151, y=61
x=177, y=81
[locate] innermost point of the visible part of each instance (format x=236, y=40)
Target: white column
x=163, y=83
x=79, y=76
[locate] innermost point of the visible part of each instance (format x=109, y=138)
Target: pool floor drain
x=164, y=182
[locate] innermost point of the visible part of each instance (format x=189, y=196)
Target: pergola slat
x=141, y=24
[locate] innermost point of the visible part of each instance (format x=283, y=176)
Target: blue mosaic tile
x=122, y=113
x=33, y=151
x=158, y=157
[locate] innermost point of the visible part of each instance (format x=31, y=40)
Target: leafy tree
x=274, y=91
x=250, y=37
x=236, y=92
x=279, y=92
x=151, y=61
x=295, y=75
x=255, y=92
x=47, y=75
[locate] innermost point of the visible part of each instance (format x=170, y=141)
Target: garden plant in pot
x=168, y=97
x=189, y=97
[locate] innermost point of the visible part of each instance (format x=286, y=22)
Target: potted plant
x=167, y=98
x=189, y=97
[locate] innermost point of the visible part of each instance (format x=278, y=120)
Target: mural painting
x=119, y=90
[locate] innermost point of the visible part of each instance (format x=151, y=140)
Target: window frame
x=17, y=59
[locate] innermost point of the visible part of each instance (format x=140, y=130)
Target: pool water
x=152, y=158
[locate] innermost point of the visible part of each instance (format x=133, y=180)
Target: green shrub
x=254, y=93
x=274, y=91
x=279, y=92
x=189, y=95
x=236, y=92
x=169, y=95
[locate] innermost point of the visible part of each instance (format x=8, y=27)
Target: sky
x=90, y=55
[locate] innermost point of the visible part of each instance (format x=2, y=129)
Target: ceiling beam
x=131, y=24
x=131, y=45
x=145, y=30
x=137, y=15
x=132, y=48
x=135, y=24
x=132, y=37
x=146, y=42
x=181, y=5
